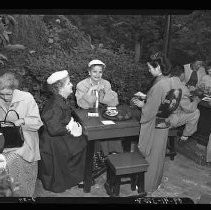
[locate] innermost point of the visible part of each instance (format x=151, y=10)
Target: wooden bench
x=129, y=164
x=171, y=143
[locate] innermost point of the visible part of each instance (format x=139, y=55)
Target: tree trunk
x=141, y=48
x=167, y=35
x=137, y=48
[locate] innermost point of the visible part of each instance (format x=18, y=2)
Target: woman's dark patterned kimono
x=62, y=155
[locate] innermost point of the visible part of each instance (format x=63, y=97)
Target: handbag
x=13, y=135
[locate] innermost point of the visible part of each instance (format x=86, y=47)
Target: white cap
x=96, y=62
x=56, y=76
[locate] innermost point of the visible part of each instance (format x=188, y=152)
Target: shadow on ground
x=182, y=178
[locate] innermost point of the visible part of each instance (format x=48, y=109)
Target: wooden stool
x=128, y=164
x=172, y=137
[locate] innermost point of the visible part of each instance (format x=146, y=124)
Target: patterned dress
x=24, y=173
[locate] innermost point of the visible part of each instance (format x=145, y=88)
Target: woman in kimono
x=86, y=98
x=62, y=145
x=152, y=141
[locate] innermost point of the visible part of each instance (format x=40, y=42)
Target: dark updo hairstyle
x=158, y=59
x=55, y=87
x=177, y=70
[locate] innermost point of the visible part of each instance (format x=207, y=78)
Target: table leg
x=88, y=166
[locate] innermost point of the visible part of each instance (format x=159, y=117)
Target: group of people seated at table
x=60, y=145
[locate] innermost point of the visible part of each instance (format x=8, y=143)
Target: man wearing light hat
x=62, y=144
x=86, y=97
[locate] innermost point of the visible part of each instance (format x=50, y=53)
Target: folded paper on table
x=93, y=114
x=108, y=122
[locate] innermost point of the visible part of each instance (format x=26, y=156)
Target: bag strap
x=8, y=112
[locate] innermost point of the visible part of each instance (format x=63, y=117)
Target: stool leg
x=133, y=181
x=112, y=184
x=108, y=184
x=116, y=188
x=140, y=184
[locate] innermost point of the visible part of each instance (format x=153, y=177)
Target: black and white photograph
x=105, y=107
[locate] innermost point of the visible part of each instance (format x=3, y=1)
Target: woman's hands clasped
x=98, y=87
x=138, y=99
x=137, y=102
x=74, y=128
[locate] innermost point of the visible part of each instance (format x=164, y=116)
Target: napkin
x=108, y=122
x=93, y=114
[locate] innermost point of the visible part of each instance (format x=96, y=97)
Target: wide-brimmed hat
x=56, y=76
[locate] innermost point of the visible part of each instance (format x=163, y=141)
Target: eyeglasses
x=4, y=96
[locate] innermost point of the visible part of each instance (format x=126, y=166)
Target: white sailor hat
x=56, y=76
x=96, y=62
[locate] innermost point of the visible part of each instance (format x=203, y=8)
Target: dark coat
x=62, y=154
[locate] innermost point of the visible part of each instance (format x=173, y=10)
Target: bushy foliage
x=54, y=43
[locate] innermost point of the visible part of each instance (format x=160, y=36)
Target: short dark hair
x=177, y=70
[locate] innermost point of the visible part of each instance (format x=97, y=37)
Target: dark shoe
x=81, y=185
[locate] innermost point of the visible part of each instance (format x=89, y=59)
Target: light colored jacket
x=85, y=101
x=188, y=71
x=206, y=80
x=24, y=104
x=186, y=105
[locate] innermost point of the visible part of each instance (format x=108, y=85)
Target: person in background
x=22, y=162
x=206, y=82
x=187, y=113
x=206, y=79
x=194, y=73
x=86, y=98
x=62, y=144
x=153, y=141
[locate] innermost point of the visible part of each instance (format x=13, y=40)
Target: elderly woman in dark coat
x=62, y=145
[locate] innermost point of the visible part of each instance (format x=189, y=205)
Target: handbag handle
x=8, y=112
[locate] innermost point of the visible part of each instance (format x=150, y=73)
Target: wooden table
x=95, y=130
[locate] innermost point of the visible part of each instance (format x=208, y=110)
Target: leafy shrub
x=54, y=45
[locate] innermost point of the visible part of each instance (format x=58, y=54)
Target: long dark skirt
x=57, y=173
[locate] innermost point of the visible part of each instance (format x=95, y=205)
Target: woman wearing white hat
x=62, y=145
x=86, y=97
